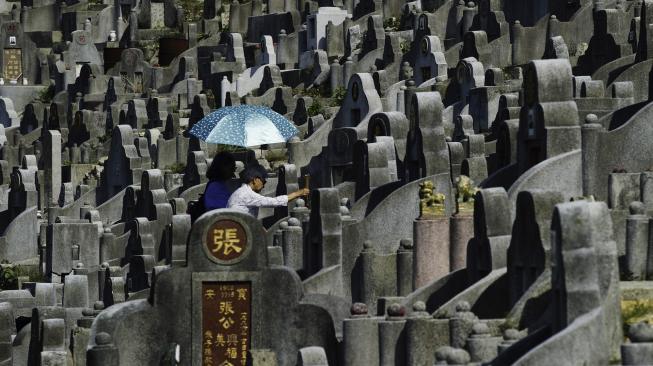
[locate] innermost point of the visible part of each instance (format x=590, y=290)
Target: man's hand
x=299, y=193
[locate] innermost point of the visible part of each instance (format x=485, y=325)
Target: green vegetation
x=338, y=96
x=176, y=168
x=46, y=94
x=193, y=10
x=315, y=108
x=392, y=24
x=9, y=274
x=635, y=311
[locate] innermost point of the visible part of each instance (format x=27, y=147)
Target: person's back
x=216, y=195
x=217, y=192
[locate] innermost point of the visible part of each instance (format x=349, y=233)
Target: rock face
x=479, y=176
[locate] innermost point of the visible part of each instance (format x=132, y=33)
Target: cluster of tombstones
x=543, y=104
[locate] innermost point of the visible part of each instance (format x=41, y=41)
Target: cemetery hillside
x=326, y=182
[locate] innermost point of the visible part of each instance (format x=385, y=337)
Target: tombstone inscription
x=226, y=305
x=13, y=63
x=226, y=322
x=157, y=11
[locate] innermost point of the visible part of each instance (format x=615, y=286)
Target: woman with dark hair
x=248, y=199
x=217, y=191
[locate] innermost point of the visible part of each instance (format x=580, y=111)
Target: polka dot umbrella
x=244, y=125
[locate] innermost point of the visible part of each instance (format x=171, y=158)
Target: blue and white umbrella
x=244, y=125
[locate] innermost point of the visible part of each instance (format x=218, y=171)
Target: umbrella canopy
x=244, y=125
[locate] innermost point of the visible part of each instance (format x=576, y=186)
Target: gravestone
x=233, y=306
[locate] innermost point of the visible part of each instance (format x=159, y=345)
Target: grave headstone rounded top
x=457, y=356
x=406, y=243
x=640, y=333
x=480, y=329
x=637, y=208
x=358, y=309
x=419, y=306
x=103, y=338
x=591, y=118
x=293, y=221
x=511, y=334
x=344, y=211
x=396, y=310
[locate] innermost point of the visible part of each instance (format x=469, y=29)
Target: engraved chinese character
x=226, y=307
x=232, y=339
x=232, y=352
x=225, y=240
x=219, y=340
x=226, y=322
x=242, y=294
x=210, y=294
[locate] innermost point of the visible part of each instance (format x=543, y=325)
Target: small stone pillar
x=419, y=336
x=292, y=242
x=405, y=267
x=481, y=345
x=461, y=324
x=106, y=241
x=81, y=335
x=646, y=189
x=431, y=238
x=104, y=353
x=7, y=329
x=462, y=230
x=225, y=86
x=400, y=99
x=431, y=251
x=335, y=77
x=368, y=284
x=640, y=349
x=347, y=71
x=360, y=338
x=637, y=241
x=301, y=212
x=468, y=16
x=462, y=222
x=391, y=337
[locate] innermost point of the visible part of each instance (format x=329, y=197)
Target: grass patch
x=635, y=311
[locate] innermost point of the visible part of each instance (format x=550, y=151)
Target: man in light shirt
x=247, y=198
